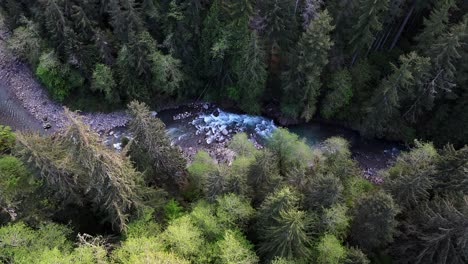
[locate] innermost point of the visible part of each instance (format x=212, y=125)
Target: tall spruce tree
x=81, y=170
x=152, y=151
x=435, y=25
x=400, y=86
x=374, y=224
x=301, y=83
x=369, y=22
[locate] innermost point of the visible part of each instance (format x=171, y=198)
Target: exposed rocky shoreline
x=18, y=78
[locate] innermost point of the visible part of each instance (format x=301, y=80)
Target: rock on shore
x=20, y=81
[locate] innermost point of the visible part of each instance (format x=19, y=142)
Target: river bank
x=17, y=79
x=25, y=105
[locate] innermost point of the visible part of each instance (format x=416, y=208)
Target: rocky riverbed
x=17, y=79
x=25, y=105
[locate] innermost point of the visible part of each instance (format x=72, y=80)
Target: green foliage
x=167, y=75
x=369, y=21
x=336, y=220
x=15, y=181
x=355, y=256
x=451, y=171
x=201, y=166
x=338, y=159
x=103, y=81
x=302, y=82
x=151, y=149
x=21, y=244
x=79, y=169
x=237, y=175
x=374, y=223
x=287, y=236
x=59, y=79
x=323, y=192
x=26, y=42
x=7, y=139
x=435, y=25
x=234, y=248
x=339, y=94
x=435, y=234
x=233, y=211
x=282, y=227
x=329, y=250
x=144, y=226
x=203, y=215
x=137, y=249
x=242, y=145
x=172, y=210
x=291, y=152
x=409, y=179
x=183, y=238
x=263, y=175
x=400, y=86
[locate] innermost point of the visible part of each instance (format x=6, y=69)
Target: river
x=204, y=126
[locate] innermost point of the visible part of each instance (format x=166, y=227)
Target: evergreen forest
x=388, y=69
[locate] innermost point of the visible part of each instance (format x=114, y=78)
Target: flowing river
x=204, y=125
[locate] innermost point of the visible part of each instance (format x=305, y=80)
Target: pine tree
x=445, y=53
x=81, y=170
x=103, y=81
x=451, y=171
x=409, y=180
x=280, y=23
x=287, y=237
x=399, y=86
x=263, y=175
x=152, y=150
x=435, y=25
x=251, y=71
x=436, y=233
x=125, y=18
x=339, y=94
x=302, y=82
x=369, y=22
x=56, y=22
x=322, y=192
x=374, y=221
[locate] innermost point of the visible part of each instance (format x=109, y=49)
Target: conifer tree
x=402, y=84
x=302, y=82
x=80, y=169
x=152, y=150
x=444, y=54
x=339, y=94
x=263, y=175
x=281, y=227
x=251, y=71
x=369, y=22
x=435, y=25
x=323, y=192
x=374, y=221
x=435, y=233
x=287, y=237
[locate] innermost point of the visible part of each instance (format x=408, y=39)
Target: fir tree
x=374, y=221
x=435, y=25
x=400, y=85
x=302, y=82
x=152, y=150
x=369, y=22
x=339, y=95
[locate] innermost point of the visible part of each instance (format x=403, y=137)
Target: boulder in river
x=224, y=132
